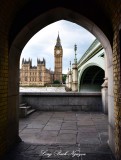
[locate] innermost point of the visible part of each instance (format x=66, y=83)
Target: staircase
x=25, y=110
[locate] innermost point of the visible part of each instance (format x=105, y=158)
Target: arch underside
x=91, y=79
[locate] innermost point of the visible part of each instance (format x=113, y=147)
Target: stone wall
x=63, y=101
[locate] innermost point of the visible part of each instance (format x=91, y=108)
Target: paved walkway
x=62, y=136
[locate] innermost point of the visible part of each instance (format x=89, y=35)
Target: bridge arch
x=81, y=71
x=91, y=78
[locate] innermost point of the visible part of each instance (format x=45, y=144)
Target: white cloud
x=42, y=44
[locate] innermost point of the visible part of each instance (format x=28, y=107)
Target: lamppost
x=75, y=72
x=75, y=49
x=70, y=65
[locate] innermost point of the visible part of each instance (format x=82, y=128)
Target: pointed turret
x=23, y=61
x=38, y=61
x=70, y=66
x=31, y=62
x=75, y=49
x=58, y=42
x=44, y=62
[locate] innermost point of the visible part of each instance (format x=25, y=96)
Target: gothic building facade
x=35, y=75
x=39, y=75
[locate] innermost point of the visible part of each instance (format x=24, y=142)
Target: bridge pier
x=70, y=80
x=104, y=91
x=75, y=77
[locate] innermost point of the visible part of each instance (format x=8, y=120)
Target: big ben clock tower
x=58, y=53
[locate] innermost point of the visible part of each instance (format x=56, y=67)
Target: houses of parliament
x=39, y=75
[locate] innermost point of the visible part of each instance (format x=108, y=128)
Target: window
x=25, y=78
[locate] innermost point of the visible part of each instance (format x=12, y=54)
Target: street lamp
x=75, y=49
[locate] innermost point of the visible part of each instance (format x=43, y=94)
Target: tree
x=56, y=82
x=64, y=78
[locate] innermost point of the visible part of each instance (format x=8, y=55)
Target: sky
x=42, y=44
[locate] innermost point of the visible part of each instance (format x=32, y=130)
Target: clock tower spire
x=58, y=54
x=58, y=42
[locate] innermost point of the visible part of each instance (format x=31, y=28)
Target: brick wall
x=117, y=79
x=114, y=14
x=3, y=84
x=3, y=93
x=7, y=14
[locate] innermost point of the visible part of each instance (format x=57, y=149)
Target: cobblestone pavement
x=63, y=136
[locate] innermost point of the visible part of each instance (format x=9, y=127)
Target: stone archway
x=27, y=32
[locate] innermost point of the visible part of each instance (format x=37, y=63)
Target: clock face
x=58, y=51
